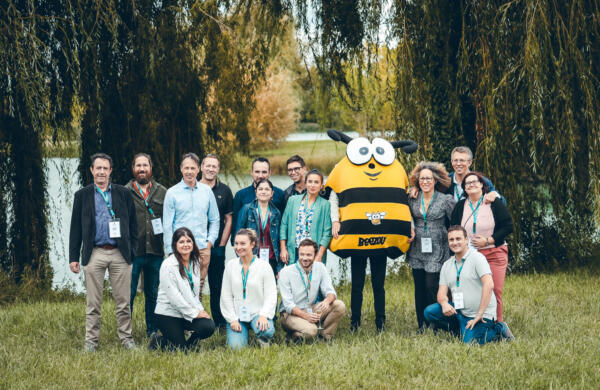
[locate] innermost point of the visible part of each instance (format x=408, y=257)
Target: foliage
x=517, y=81
x=42, y=347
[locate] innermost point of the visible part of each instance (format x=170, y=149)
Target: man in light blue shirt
x=192, y=204
x=300, y=285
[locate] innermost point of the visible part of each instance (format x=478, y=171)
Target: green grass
x=554, y=318
x=322, y=155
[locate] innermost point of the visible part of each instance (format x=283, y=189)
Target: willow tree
x=515, y=80
x=36, y=92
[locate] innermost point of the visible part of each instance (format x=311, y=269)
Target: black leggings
x=358, y=266
x=172, y=329
x=426, y=288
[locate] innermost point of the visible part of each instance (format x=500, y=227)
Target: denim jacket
x=248, y=218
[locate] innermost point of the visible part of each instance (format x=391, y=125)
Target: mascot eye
x=384, y=151
x=359, y=151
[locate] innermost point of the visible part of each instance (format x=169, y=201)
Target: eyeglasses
x=471, y=183
x=296, y=169
x=460, y=161
x=426, y=179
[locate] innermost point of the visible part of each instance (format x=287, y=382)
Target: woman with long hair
x=248, y=294
x=178, y=306
x=487, y=226
x=431, y=210
x=306, y=216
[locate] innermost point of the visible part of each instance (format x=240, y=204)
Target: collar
x=186, y=186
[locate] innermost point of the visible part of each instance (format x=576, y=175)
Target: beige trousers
x=204, y=263
x=299, y=327
x=120, y=280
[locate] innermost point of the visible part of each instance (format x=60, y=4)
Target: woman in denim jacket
x=264, y=218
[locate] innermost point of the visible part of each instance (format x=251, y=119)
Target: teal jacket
x=320, y=230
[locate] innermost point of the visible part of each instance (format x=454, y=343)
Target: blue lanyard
x=145, y=201
x=105, y=197
x=456, y=192
x=424, y=211
x=306, y=287
x=245, y=277
x=188, y=271
x=458, y=271
x=263, y=224
x=475, y=212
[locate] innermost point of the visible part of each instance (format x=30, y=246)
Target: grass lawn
x=554, y=318
x=322, y=155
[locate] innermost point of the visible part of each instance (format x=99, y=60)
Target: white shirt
x=261, y=290
x=175, y=296
x=293, y=283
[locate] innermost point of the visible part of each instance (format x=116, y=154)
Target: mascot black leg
x=378, y=268
x=358, y=266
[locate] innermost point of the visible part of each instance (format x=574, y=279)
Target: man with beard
x=148, y=197
x=210, y=167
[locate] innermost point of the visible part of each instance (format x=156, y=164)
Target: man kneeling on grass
x=300, y=284
x=472, y=312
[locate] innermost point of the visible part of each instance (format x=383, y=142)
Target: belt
x=107, y=246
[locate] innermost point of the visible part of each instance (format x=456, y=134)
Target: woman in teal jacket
x=306, y=216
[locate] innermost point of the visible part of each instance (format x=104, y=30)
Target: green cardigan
x=320, y=230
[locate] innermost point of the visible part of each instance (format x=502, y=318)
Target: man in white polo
x=300, y=285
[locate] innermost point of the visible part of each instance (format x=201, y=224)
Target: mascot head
x=370, y=184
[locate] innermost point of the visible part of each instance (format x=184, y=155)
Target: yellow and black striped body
x=374, y=213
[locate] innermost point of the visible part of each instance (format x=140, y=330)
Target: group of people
x=177, y=237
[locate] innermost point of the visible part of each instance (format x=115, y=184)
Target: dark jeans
x=358, y=267
x=482, y=332
x=215, y=280
x=172, y=329
x=426, y=287
x=151, y=266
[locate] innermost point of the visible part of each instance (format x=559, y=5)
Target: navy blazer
x=83, y=223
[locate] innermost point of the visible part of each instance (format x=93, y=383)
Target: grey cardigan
x=175, y=297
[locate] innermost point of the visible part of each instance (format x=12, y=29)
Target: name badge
x=426, y=245
x=458, y=299
x=245, y=314
x=264, y=254
x=114, y=228
x=157, y=227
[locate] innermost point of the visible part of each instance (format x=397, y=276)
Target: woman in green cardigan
x=306, y=216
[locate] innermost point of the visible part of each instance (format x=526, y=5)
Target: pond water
x=63, y=182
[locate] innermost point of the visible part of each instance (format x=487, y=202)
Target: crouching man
x=300, y=284
x=472, y=312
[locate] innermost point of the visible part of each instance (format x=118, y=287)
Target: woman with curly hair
x=431, y=211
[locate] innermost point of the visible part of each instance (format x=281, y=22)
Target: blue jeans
x=481, y=332
x=151, y=266
x=237, y=340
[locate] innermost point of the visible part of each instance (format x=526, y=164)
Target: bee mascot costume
x=368, y=187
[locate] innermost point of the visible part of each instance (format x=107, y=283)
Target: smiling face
x=264, y=193
x=426, y=180
x=185, y=246
x=210, y=168
x=243, y=246
x=296, y=171
x=189, y=170
x=457, y=241
x=306, y=256
x=142, y=170
x=101, y=171
x=461, y=162
x=473, y=186
x=313, y=184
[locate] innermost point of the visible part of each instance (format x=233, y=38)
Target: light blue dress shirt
x=294, y=282
x=195, y=208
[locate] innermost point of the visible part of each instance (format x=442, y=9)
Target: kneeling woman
x=249, y=294
x=178, y=306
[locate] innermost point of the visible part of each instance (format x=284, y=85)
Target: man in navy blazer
x=103, y=236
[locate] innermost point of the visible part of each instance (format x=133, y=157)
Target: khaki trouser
x=120, y=280
x=204, y=263
x=299, y=327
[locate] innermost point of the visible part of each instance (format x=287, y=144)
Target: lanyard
x=245, y=277
x=145, y=197
x=457, y=192
x=188, y=271
x=306, y=287
x=263, y=224
x=424, y=211
x=307, y=212
x=105, y=197
x=475, y=212
x=458, y=271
